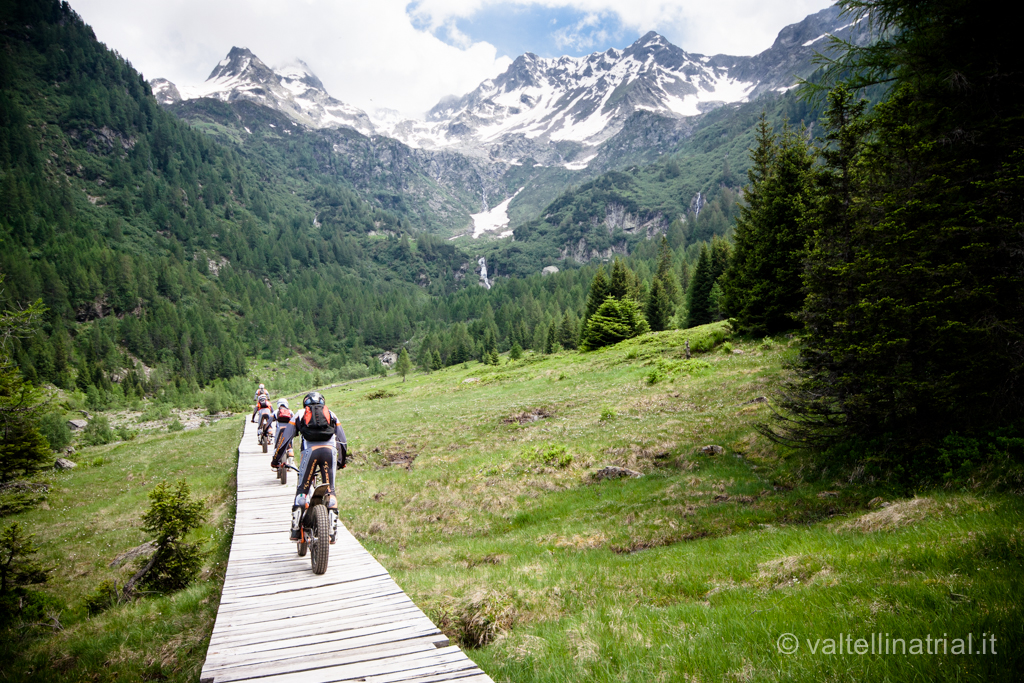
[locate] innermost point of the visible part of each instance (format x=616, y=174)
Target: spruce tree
x=613, y=322
x=659, y=307
x=762, y=285
x=598, y=292
x=665, y=272
x=915, y=301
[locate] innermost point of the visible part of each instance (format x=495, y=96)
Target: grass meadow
x=560, y=518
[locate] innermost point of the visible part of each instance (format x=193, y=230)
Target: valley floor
x=493, y=495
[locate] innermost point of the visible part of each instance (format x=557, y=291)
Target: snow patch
x=494, y=219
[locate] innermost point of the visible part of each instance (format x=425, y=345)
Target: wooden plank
x=278, y=622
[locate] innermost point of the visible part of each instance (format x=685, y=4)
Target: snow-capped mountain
x=588, y=99
x=538, y=103
x=293, y=90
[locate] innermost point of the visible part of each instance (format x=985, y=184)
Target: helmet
x=313, y=398
x=262, y=387
x=282, y=402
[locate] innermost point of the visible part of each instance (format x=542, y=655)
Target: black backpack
x=314, y=425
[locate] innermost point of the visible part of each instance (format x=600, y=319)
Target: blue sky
x=544, y=31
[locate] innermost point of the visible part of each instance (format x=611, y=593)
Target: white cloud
x=585, y=34
x=388, y=53
x=367, y=53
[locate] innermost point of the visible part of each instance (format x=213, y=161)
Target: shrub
x=55, y=430
x=554, y=455
x=175, y=425
x=607, y=414
x=98, y=432
x=172, y=515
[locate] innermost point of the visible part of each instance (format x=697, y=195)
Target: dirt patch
x=396, y=458
x=892, y=516
x=526, y=417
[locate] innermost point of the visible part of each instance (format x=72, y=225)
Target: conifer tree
x=613, y=322
x=659, y=307
x=762, y=285
x=915, y=302
x=665, y=272
x=712, y=262
x=403, y=365
x=598, y=292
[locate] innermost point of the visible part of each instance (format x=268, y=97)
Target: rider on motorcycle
x=263, y=411
x=322, y=435
x=282, y=416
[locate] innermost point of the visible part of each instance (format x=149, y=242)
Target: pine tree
x=613, y=322
x=915, y=302
x=403, y=365
x=659, y=307
x=598, y=292
x=623, y=283
x=665, y=272
x=762, y=286
x=568, y=332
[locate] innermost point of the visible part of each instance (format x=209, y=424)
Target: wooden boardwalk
x=279, y=622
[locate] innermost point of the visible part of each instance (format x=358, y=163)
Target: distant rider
x=282, y=416
x=322, y=435
x=261, y=391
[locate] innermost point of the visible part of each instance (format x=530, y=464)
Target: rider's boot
x=296, y=523
x=332, y=515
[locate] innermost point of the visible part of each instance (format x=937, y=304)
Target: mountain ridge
x=537, y=103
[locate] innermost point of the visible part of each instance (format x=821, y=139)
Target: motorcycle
x=263, y=436
x=282, y=469
x=318, y=525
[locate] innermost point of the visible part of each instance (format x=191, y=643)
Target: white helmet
x=262, y=387
x=282, y=402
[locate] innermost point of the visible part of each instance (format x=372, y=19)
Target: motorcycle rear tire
x=264, y=446
x=302, y=546
x=282, y=474
x=320, y=543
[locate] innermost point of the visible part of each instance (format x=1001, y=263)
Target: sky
x=406, y=56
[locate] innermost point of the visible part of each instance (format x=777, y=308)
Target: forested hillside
x=143, y=236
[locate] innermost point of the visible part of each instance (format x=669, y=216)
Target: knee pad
x=300, y=501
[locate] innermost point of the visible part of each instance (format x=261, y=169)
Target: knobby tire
x=319, y=546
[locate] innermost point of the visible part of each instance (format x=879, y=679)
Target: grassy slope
x=92, y=514
x=690, y=572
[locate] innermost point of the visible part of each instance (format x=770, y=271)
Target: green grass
x=93, y=513
x=501, y=532
x=479, y=489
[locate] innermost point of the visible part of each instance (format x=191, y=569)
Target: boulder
x=549, y=270
x=77, y=424
x=64, y=464
x=712, y=449
x=614, y=472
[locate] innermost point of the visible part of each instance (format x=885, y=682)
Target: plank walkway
x=278, y=622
